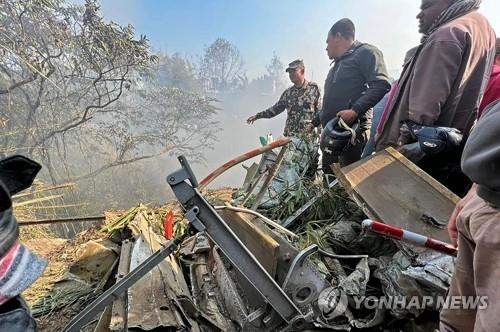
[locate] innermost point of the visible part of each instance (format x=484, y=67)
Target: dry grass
x=35, y=232
x=55, y=307
x=54, y=271
x=219, y=196
x=60, y=254
x=41, y=201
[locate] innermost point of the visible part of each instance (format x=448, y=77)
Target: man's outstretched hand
x=251, y=119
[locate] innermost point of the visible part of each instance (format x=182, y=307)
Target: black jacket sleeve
x=481, y=155
x=372, y=65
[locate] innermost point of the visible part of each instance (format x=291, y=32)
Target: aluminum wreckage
x=236, y=269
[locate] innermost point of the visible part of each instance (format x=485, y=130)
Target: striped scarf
x=457, y=9
x=19, y=268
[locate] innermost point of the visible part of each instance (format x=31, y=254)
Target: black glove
x=412, y=152
x=408, y=132
x=5, y=202
x=436, y=140
x=17, y=173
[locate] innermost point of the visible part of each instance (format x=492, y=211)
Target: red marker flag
x=169, y=225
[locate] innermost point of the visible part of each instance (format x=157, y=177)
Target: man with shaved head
x=443, y=84
x=355, y=83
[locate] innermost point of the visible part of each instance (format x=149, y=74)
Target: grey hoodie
x=481, y=156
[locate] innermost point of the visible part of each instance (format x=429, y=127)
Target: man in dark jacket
x=357, y=82
x=475, y=227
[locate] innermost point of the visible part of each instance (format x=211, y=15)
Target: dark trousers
x=349, y=156
x=15, y=316
x=446, y=169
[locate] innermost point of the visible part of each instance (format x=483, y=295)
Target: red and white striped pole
x=405, y=236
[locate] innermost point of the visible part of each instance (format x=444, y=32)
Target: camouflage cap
x=295, y=64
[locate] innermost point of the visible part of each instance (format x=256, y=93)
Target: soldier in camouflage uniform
x=301, y=100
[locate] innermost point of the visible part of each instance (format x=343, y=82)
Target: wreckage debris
x=325, y=263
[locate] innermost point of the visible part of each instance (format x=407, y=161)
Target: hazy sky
x=291, y=28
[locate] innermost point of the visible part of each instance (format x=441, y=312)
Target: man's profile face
x=333, y=45
x=429, y=12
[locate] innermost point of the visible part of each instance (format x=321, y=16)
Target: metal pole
x=252, y=188
x=270, y=176
x=59, y=221
x=203, y=217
